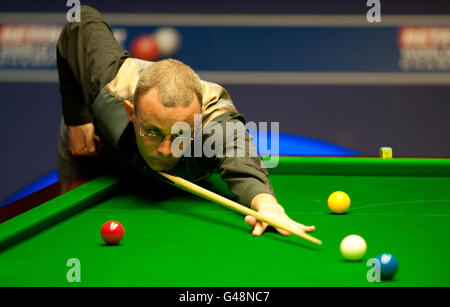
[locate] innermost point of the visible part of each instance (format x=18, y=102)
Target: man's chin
x=161, y=167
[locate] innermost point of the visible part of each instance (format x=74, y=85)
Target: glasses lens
x=153, y=137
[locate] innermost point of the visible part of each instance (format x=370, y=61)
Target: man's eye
x=153, y=131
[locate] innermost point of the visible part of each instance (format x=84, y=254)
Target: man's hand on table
x=82, y=140
x=268, y=206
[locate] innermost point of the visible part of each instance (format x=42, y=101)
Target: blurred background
x=336, y=83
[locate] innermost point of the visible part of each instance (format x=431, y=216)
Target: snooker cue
x=204, y=193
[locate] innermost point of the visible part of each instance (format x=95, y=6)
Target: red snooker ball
x=145, y=47
x=112, y=232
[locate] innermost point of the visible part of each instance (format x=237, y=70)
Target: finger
x=308, y=228
x=79, y=151
x=89, y=141
x=259, y=228
x=250, y=220
x=83, y=152
x=74, y=147
x=96, y=138
x=283, y=232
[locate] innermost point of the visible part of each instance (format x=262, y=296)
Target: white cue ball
x=168, y=39
x=353, y=247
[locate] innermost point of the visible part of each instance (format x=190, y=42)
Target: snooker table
x=399, y=206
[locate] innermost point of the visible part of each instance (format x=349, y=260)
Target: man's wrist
x=264, y=199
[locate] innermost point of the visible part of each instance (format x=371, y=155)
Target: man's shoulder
x=123, y=85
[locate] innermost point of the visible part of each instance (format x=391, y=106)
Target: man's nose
x=165, y=147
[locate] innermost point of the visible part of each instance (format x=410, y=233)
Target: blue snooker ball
x=388, y=266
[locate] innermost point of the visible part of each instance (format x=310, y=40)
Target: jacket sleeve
x=240, y=166
x=74, y=107
x=88, y=57
x=244, y=173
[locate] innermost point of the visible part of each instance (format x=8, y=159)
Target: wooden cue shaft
x=204, y=193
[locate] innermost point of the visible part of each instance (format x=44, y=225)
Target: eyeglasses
x=154, y=135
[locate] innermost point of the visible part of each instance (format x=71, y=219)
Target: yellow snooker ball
x=338, y=202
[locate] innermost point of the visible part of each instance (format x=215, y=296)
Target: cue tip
x=319, y=243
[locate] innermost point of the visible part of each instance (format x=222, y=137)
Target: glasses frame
x=159, y=138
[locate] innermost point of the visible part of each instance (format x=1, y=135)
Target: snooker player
x=118, y=111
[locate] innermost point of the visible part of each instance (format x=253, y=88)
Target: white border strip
x=239, y=20
x=32, y=75
x=326, y=78
x=273, y=20
x=269, y=78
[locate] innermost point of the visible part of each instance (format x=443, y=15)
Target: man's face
x=155, y=118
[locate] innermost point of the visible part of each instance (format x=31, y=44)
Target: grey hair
x=176, y=83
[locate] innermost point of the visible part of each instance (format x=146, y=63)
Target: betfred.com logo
x=424, y=48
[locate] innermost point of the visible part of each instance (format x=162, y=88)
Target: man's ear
x=129, y=108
